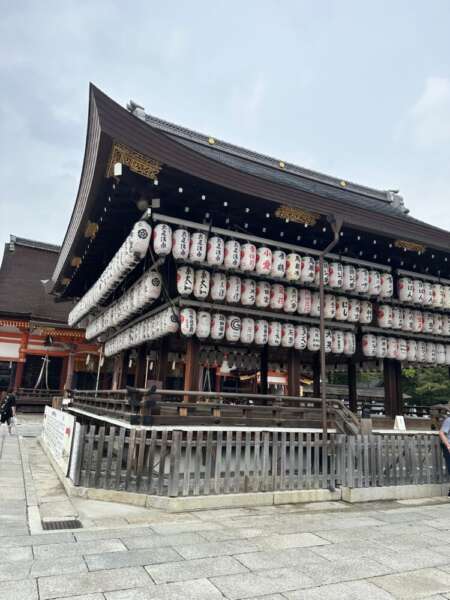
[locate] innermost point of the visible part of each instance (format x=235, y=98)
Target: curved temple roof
x=234, y=168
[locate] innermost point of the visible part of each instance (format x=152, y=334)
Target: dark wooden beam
x=264, y=369
x=162, y=361
x=316, y=375
x=393, y=401
x=141, y=365
x=191, y=366
x=352, y=389
x=293, y=373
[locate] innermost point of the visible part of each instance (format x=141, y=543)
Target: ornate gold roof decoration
x=14, y=323
x=296, y=215
x=135, y=161
x=76, y=261
x=91, y=230
x=411, y=246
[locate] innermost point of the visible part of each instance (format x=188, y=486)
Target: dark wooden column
x=316, y=375
x=141, y=365
x=293, y=373
x=192, y=366
x=162, y=361
x=393, y=401
x=264, y=369
x=352, y=389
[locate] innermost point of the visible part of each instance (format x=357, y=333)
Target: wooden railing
x=195, y=462
x=31, y=400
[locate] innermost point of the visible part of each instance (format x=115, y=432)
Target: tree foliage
x=427, y=385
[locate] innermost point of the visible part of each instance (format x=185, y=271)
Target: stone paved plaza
x=321, y=551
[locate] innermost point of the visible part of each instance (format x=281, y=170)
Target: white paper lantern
x=417, y=321
x=349, y=279
x=369, y=345
x=277, y=296
x=315, y=304
x=151, y=287
x=328, y=340
x=405, y=289
x=374, y=283
x=233, y=295
x=262, y=294
x=411, y=350
x=199, y=243
x=248, y=257
x=392, y=347
x=247, y=330
x=336, y=275
x=274, y=333
x=408, y=319
x=438, y=324
x=304, y=302
x=278, y=263
x=185, y=280
x=291, y=300
x=397, y=317
x=162, y=239
x=440, y=354
x=362, y=281
x=402, y=349
x=354, y=310
x=313, y=343
x=428, y=322
x=201, y=283
x=287, y=335
x=447, y=296
x=366, y=316
x=181, y=239
x=293, y=266
x=428, y=294
x=218, y=287
x=232, y=254
x=385, y=316
x=139, y=239
x=382, y=344
x=218, y=324
x=308, y=270
x=215, y=251
x=337, y=345
x=233, y=328
x=447, y=354
x=329, y=306
x=438, y=295
x=446, y=325
x=203, y=324
x=430, y=356
x=349, y=343
x=421, y=352
x=301, y=337
x=326, y=273
x=248, y=292
x=263, y=260
x=418, y=291
x=387, y=285
x=341, y=308
x=261, y=332
x=188, y=321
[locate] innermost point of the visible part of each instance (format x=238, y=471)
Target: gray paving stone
x=354, y=590
x=26, y=589
x=131, y=558
x=415, y=584
x=114, y=533
x=92, y=547
x=194, y=526
x=232, y=534
x=14, y=570
x=274, y=559
x=85, y=597
x=58, y=566
x=63, y=586
x=200, y=589
x=160, y=541
x=291, y=540
x=16, y=553
x=37, y=540
x=195, y=569
x=345, y=570
x=225, y=548
x=269, y=581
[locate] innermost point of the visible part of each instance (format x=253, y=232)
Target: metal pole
x=336, y=225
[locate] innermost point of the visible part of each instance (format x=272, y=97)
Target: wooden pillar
x=393, y=401
x=120, y=370
x=22, y=358
x=191, y=366
x=70, y=371
x=352, y=389
x=63, y=376
x=162, y=361
x=293, y=373
x=264, y=369
x=316, y=375
x=141, y=365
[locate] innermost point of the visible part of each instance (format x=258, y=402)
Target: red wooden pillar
x=22, y=359
x=293, y=373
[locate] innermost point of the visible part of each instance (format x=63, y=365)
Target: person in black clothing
x=8, y=408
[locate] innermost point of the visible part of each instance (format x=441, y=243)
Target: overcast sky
x=359, y=90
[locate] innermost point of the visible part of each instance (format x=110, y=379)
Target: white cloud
x=430, y=115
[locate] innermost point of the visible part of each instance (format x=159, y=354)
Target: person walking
x=8, y=409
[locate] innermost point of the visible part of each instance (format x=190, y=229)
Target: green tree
x=427, y=385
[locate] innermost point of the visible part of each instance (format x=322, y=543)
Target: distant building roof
x=26, y=268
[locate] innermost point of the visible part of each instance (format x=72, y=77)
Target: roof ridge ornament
x=296, y=215
x=135, y=161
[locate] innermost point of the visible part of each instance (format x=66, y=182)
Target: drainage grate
x=61, y=524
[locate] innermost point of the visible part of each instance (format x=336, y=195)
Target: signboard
x=57, y=435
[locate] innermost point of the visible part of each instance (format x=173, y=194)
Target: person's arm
x=443, y=433
x=13, y=406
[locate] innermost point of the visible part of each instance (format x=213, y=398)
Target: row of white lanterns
x=247, y=330
x=416, y=321
x=147, y=330
x=378, y=346
x=293, y=267
x=424, y=293
x=131, y=252
x=139, y=296
x=248, y=292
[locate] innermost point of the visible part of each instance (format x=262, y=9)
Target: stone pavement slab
x=211, y=549
x=85, y=597
x=415, y=584
x=160, y=541
x=200, y=589
x=111, y=533
x=58, y=566
x=195, y=569
x=37, y=540
x=274, y=559
x=26, y=589
x=354, y=590
x=93, y=547
x=131, y=558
